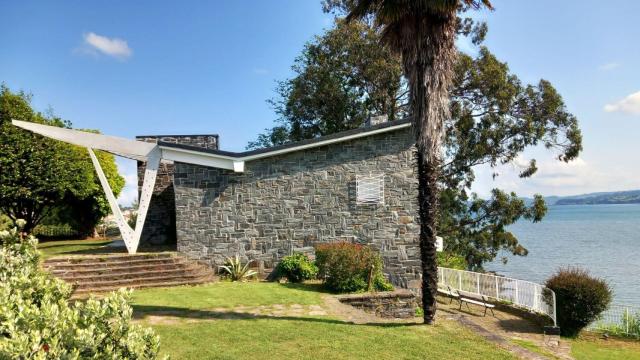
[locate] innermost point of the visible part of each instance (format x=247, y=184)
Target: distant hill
x=616, y=197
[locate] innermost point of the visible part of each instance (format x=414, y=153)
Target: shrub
x=296, y=268
x=37, y=321
x=347, y=267
x=235, y=271
x=580, y=298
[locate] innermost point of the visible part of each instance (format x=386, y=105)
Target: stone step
x=74, y=277
x=82, y=293
x=117, y=270
x=110, y=264
x=106, y=258
x=136, y=281
x=97, y=274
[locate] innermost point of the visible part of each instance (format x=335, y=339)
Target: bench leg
x=492, y=313
x=485, y=311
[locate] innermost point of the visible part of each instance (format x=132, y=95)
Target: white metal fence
x=525, y=294
x=619, y=319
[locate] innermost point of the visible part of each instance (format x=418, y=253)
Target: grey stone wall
x=160, y=224
x=398, y=304
x=291, y=202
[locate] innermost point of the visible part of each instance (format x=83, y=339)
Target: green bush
x=347, y=267
x=37, y=321
x=580, y=298
x=452, y=261
x=296, y=268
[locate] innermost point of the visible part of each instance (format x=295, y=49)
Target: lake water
x=605, y=239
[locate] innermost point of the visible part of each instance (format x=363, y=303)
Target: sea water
x=604, y=239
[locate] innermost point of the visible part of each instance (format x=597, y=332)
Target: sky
x=199, y=67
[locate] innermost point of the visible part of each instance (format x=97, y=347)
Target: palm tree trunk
x=428, y=57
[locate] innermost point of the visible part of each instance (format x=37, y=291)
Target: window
x=370, y=189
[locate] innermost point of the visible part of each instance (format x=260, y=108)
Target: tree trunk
x=428, y=55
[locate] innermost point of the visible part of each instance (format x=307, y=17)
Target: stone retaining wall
x=399, y=304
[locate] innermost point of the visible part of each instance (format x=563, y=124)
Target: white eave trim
x=237, y=163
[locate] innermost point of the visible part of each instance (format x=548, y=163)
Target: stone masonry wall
x=291, y=202
x=160, y=224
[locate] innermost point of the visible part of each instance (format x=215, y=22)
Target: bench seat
x=476, y=299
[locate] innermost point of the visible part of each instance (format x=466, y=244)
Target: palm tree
x=423, y=32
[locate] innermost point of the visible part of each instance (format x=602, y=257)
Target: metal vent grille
x=370, y=189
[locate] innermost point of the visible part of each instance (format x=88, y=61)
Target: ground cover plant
x=580, y=298
x=37, y=320
x=346, y=267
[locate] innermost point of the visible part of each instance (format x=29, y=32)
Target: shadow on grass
x=142, y=311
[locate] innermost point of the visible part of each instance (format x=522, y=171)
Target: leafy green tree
x=40, y=177
x=494, y=119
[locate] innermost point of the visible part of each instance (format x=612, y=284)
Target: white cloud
x=609, y=66
x=628, y=105
x=555, y=177
x=128, y=169
x=117, y=48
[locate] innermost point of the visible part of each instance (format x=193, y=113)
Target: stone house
x=356, y=186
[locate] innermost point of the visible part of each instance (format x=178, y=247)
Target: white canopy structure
x=153, y=154
x=150, y=153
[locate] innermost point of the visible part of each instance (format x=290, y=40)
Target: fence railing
x=525, y=294
x=619, y=320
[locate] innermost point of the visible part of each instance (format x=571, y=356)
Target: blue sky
x=130, y=68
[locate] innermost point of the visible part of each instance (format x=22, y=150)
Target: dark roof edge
x=175, y=135
x=337, y=135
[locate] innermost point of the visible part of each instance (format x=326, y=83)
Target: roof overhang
x=140, y=150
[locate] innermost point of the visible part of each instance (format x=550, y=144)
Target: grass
x=593, y=348
x=196, y=331
x=529, y=345
x=68, y=247
x=227, y=295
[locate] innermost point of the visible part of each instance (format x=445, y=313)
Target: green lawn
x=596, y=349
x=69, y=247
x=196, y=330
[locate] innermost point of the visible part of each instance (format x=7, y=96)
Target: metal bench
x=476, y=299
x=450, y=293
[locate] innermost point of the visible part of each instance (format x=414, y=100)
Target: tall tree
x=489, y=106
x=424, y=33
x=40, y=176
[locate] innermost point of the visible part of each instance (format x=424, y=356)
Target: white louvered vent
x=370, y=189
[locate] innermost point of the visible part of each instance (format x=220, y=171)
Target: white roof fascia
x=198, y=158
x=237, y=163
x=123, y=147
x=323, y=143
